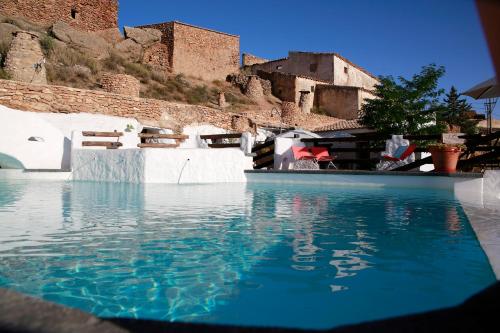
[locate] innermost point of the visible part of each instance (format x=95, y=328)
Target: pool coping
x=23, y=313
x=486, y=225
x=371, y=173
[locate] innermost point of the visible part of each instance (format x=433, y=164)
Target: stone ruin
x=290, y=113
x=25, y=60
x=120, y=84
x=254, y=88
x=242, y=81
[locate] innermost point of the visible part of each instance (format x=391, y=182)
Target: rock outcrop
x=144, y=36
x=25, y=60
x=130, y=50
x=7, y=32
x=90, y=43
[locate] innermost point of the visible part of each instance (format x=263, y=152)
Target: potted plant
x=445, y=156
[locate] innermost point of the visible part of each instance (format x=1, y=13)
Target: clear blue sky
x=386, y=37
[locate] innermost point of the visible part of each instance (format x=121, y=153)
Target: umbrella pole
x=489, y=106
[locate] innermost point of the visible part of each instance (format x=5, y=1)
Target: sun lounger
x=322, y=155
x=400, y=155
x=302, y=153
x=313, y=156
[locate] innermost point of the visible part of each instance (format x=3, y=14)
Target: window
x=346, y=70
x=313, y=68
x=312, y=88
x=74, y=13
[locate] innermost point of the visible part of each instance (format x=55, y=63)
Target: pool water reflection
x=295, y=256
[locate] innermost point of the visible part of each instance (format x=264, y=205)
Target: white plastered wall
x=27, y=141
x=168, y=166
x=52, y=135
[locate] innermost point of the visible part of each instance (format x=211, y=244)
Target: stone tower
x=25, y=60
x=86, y=15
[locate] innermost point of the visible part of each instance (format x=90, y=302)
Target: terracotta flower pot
x=445, y=159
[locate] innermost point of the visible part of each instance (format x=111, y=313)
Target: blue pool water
x=294, y=256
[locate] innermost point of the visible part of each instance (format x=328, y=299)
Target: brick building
x=86, y=15
x=196, y=51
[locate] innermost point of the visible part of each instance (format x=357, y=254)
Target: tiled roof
x=340, y=126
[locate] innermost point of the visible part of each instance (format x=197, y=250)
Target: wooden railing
x=217, y=138
x=264, y=155
x=107, y=144
x=482, y=150
x=156, y=136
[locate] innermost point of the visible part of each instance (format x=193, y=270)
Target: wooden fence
x=482, y=150
x=217, y=140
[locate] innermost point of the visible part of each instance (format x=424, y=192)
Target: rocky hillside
x=81, y=59
x=78, y=59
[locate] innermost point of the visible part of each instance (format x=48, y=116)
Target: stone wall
x=254, y=88
x=46, y=98
x=120, y=84
x=208, y=54
x=25, y=59
x=241, y=81
x=339, y=102
x=348, y=74
x=88, y=15
x=290, y=113
x=250, y=59
x=283, y=85
x=199, y=52
x=157, y=55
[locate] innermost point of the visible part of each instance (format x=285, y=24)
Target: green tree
x=407, y=106
x=459, y=113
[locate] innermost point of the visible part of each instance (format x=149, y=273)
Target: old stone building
x=87, y=15
x=250, y=59
x=196, y=51
x=325, y=81
x=326, y=67
x=342, y=102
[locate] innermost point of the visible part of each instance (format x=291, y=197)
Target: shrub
x=4, y=75
x=47, y=44
x=218, y=83
x=235, y=99
x=159, y=77
x=113, y=62
x=320, y=111
x=69, y=76
x=198, y=95
x=70, y=57
x=181, y=79
x=140, y=71
x=4, y=48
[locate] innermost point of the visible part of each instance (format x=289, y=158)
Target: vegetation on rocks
x=320, y=111
x=3, y=55
x=47, y=44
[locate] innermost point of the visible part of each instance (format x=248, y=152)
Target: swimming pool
x=247, y=254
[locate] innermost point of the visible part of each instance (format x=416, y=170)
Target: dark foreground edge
x=21, y=313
